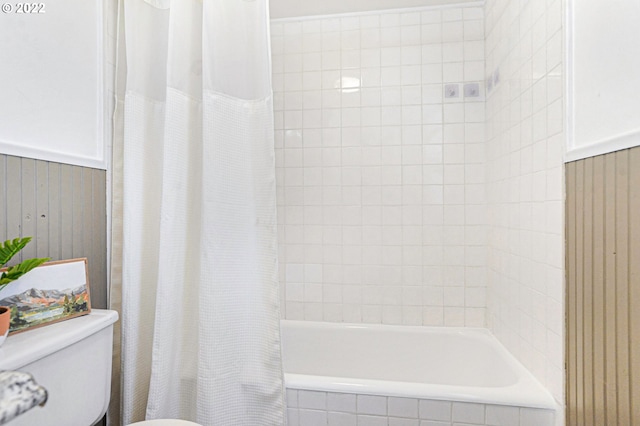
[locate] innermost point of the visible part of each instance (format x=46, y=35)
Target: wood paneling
x=63, y=208
x=603, y=289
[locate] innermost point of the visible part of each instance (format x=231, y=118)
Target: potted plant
x=8, y=249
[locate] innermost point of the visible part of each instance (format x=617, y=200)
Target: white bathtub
x=424, y=363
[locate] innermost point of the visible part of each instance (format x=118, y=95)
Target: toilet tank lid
x=24, y=348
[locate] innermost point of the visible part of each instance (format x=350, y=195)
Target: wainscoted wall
x=603, y=289
x=63, y=208
x=380, y=178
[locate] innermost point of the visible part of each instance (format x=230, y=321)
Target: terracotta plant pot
x=5, y=319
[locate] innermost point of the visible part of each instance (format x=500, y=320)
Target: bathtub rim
x=527, y=391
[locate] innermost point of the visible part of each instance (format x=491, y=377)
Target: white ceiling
x=296, y=8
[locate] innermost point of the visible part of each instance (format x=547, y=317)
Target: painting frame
x=53, y=292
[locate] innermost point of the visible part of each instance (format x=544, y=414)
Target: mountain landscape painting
x=35, y=307
x=50, y=293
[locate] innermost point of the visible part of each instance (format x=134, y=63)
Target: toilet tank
x=72, y=360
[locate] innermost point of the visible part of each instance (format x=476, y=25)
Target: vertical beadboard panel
x=598, y=291
x=63, y=208
x=3, y=196
x=13, y=199
x=610, y=291
x=42, y=209
x=571, y=350
x=603, y=289
x=98, y=267
x=622, y=281
x=634, y=280
x=579, y=220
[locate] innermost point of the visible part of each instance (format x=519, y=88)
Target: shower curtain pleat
x=199, y=292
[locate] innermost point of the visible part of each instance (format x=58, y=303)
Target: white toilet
x=72, y=360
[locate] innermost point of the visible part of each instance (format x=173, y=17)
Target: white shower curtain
x=194, y=249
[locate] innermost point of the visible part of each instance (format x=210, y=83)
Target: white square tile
x=312, y=417
x=341, y=402
x=364, y=420
x=452, y=32
x=468, y=413
x=341, y=419
x=435, y=410
x=431, y=16
x=454, y=14
x=390, y=36
x=293, y=417
x=431, y=33
x=395, y=421
x=403, y=407
x=410, y=35
x=432, y=53
x=536, y=417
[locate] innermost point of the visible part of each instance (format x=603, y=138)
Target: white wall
x=525, y=198
x=604, y=73
x=380, y=180
x=51, y=82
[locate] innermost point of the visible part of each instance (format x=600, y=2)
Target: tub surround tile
x=357, y=410
x=362, y=127
x=365, y=420
x=292, y=398
x=524, y=183
x=500, y=415
x=533, y=417
x=468, y=413
x=344, y=402
x=397, y=421
x=369, y=404
x=403, y=407
x=312, y=399
x=292, y=417
x=312, y=417
x=435, y=410
x=342, y=419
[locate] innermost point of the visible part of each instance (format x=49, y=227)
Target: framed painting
x=52, y=292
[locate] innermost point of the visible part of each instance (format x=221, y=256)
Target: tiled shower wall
x=525, y=146
x=380, y=180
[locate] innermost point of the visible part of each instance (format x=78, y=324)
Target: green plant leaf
x=14, y=272
x=10, y=248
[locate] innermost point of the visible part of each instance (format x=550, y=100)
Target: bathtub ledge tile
x=398, y=421
x=292, y=417
x=536, y=417
x=312, y=417
x=341, y=419
x=344, y=402
x=370, y=404
x=403, y=407
x=501, y=415
x=292, y=398
x=364, y=420
x=312, y=399
x=465, y=412
x=435, y=410
x=433, y=423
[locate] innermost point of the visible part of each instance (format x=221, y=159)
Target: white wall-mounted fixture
x=471, y=90
x=51, y=81
x=451, y=91
x=603, y=82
